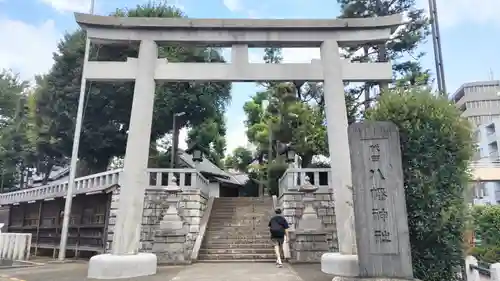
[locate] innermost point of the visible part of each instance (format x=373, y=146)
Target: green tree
x=288, y=118
x=11, y=89
x=210, y=134
x=240, y=159
x=401, y=50
x=17, y=135
x=436, y=147
x=107, y=108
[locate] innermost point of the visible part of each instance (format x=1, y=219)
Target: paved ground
x=77, y=271
x=311, y=272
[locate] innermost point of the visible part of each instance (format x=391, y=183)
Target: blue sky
x=32, y=29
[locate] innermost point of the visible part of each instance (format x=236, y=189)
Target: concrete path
x=237, y=271
x=200, y=272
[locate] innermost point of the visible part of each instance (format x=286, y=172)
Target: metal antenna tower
x=436, y=42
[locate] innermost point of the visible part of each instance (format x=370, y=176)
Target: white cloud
x=64, y=6
x=454, y=12
x=30, y=47
x=233, y=5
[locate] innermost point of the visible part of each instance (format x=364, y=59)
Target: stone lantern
x=171, y=220
x=309, y=219
x=197, y=152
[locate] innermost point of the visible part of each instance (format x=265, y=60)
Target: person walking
x=278, y=227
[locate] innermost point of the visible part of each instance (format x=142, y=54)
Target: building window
x=480, y=190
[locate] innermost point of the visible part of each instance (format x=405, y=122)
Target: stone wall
x=293, y=206
x=191, y=207
x=308, y=246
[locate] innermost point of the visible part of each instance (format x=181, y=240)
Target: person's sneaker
x=279, y=265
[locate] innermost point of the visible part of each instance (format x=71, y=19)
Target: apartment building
x=487, y=137
x=479, y=101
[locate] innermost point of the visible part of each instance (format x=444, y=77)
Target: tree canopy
x=402, y=49
x=107, y=105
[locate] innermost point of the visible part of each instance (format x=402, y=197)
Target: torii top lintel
x=252, y=32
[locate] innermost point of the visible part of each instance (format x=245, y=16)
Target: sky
x=31, y=30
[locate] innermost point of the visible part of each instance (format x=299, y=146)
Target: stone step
x=240, y=228
x=243, y=222
x=245, y=236
x=238, y=216
x=241, y=209
x=238, y=246
x=246, y=204
x=208, y=242
x=235, y=235
x=236, y=256
x=234, y=199
x=238, y=251
x=273, y=260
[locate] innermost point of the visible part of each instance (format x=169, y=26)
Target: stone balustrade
x=295, y=177
x=475, y=272
x=192, y=204
x=87, y=184
x=15, y=246
x=187, y=179
x=307, y=246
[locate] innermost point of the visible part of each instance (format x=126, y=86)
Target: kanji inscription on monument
x=379, y=200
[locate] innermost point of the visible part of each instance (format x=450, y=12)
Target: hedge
x=436, y=146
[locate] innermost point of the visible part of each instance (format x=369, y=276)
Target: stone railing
x=87, y=184
x=475, y=272
x=15, y=246
x=187, y=179
x=309, y=245
x=295, y=177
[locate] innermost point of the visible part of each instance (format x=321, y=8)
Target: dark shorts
x=278, y=241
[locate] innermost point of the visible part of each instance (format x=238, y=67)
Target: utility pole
x=264, y=105
x=436, y=42
x=74, y=152
x=175, y=139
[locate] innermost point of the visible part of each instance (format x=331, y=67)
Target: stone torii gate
x=239, y=34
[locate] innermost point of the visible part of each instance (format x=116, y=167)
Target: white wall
x=214, y=188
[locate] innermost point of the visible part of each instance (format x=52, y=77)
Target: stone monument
x=327, y=34
x=379, y=201
x=170, y=239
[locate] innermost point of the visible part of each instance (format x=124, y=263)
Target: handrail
x=203, y=226
x=481, y=270
x=84, y=184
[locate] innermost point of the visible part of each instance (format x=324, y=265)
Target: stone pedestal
x=307, y=246
x=170, y=247
x=309, y=220
x=170, y=239
x=339, y=278
x=109, y=266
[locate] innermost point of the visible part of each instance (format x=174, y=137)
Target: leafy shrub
x=276, y=170
x=436, y=146
x=486, y=254
x=486, y=220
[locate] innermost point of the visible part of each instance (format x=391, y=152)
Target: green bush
x=486, y=254
x=276, y=170
x=436, y=146
x=486, y=221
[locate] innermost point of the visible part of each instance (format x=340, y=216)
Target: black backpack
x=276, y=226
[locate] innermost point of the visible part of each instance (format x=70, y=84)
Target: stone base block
x=338, y=278
x=107, y=266
x=340, y=265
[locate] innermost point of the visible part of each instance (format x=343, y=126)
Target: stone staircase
x=238, y=230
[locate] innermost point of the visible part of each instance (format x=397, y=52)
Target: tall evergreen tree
x=402, y=50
